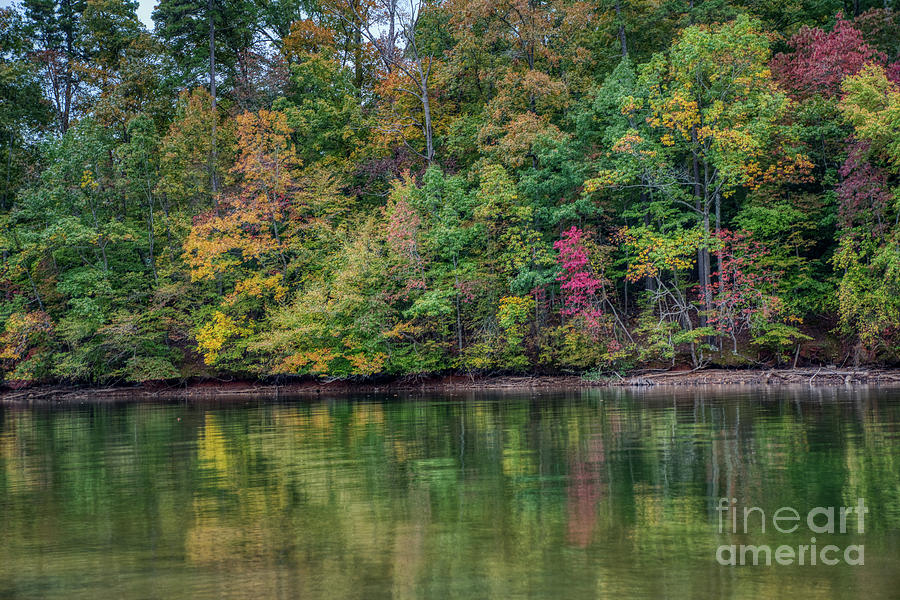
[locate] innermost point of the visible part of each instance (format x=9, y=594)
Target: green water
x=594, y=494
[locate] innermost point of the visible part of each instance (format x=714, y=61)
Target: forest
x=362, y=188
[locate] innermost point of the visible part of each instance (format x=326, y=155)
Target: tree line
x=352, y=188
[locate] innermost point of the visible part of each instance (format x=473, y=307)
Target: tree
x=871, y=104
x=137, y=82
x=820, y=60
x=206, y=37
x=247, y=227
x=665, y=259
x=867, y=253
x=141, y=176
x=411, y=64
x=531, y=52
x=582, y=290
x=321, y=102
x=745, y=299
x=55, y=29
x=188, y=175
x=715, y=121
x=24, y=113
x=189, y=28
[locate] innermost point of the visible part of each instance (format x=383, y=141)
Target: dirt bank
x=244, y=389
x=811, y=376
x=239, y=389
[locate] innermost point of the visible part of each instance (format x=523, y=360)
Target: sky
x=144, y=9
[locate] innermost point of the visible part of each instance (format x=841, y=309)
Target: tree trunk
x=214, y=159
x=101, y=238
x=459, y=335
x=70, y=55
x=358, y=57
x=151, y=238
x=718, y=231
x=6, y=190
x=37, y=295
x=284, y=264
x=621, y=22
x=426, y=108
x=392, y=35
x=702, y=209
x=649, y=281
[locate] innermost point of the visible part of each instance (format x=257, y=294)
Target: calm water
x=595, y=494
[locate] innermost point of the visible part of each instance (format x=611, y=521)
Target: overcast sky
x=144, y=10
x=146, y=7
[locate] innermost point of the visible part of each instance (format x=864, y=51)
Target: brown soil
x=807, y=376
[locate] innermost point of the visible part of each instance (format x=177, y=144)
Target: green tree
x=24, y=113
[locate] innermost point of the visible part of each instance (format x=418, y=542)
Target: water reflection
x=600, y=493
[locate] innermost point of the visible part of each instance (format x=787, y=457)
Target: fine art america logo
x=787, y=520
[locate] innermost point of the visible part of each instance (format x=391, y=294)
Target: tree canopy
x=345, y=188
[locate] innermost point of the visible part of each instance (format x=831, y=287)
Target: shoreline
x=213, y=389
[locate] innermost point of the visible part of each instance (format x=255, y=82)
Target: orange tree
x=243, y=243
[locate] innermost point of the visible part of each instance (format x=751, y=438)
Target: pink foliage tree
x=582, y=290
x=402, y=232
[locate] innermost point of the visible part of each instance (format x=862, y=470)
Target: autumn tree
x=391, y=28
x=820, y=60
x=248, y=226
x=867, y=254
x=188, y=175
x=533, y=50
x=715, y=126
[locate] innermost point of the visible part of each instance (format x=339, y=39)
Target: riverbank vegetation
x=345, y=188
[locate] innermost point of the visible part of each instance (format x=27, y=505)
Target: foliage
x=354, y=189
x=745, y=300
x=581, y=289
x=820, y=60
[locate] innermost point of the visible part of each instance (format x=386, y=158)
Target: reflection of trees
x=453, y=497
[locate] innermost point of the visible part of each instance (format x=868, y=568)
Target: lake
x=597, y=493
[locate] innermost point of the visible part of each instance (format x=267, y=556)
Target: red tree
x=821, y=59
x=740, y=293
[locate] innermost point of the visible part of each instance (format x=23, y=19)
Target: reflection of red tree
x=584, y=492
